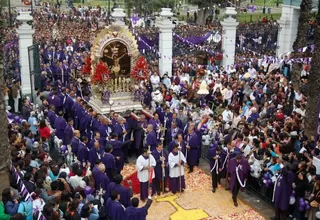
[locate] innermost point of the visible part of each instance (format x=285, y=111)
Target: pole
x=109, y=12
x=149, y=164
x=10, y=15
x=180, y=167
x=145, y=11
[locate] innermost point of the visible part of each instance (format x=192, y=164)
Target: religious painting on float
x=113, y=57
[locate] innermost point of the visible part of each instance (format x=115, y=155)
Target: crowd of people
x=251, y=122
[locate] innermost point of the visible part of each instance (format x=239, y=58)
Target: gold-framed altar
x=117, y=48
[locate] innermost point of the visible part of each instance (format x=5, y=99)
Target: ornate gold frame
x=110, y=34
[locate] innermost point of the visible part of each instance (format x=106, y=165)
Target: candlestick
x=115, y=84
x=128, y=85
x=124, y=84
x=120, y=84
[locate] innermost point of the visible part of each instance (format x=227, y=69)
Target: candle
x=124, y=84
x=120, y=82
x=115, y=84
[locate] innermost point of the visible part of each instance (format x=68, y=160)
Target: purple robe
x=172, y=134
x=118, y=129
x=84, y=123
x=125, y=193
x=94, y=155
x=283, y=189
x=68, y=134
x=101, y=181
x=83, y=153
x=151, y=140
x=109, y=161
x=158, y=171
x=118, y=152
x=156, y=127
x=177, y=121
x=212, y=152
x=104, y=133
x=133, y=213
x=60, y=125
x=115, y=210
x=75, y=145
x=243, y=171
x=192, y=154
x=139, y=134
x=55, y=101
x=52, y=117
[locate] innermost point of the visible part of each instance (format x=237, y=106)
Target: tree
x=312, y=114
x=204, y=7
x=4, y=143
x=301, y=39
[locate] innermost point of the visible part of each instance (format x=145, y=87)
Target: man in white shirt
x=76, y=180
x=176, y=162
x=144, y=165
x=252, y=71
x=228, y=95
x=155, y=80
x=227, y=114
x=166, y=81
x=217, y=85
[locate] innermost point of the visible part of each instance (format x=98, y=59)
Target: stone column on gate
x=229, y=25
x=165, y=41
x=288, y=22
x=119, y=15
x=25, y=32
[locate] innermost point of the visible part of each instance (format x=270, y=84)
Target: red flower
x=140, y=71
x=101, y=74
x=86, y=70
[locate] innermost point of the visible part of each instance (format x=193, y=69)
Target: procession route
x=182, y=213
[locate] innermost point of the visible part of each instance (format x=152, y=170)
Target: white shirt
x=155, y=80
x=228, y=94
x=76, y=181
x=252, y=72
x=217, y=85
x=172, y=161
x=143, y=174
x=227, y=115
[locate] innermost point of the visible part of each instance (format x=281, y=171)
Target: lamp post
x=109, y=13
x=264, y=7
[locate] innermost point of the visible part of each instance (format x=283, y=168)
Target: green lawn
x=256, y=16
x=270, y=3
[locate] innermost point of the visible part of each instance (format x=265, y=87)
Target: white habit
x=173, y=160
x=143, y=174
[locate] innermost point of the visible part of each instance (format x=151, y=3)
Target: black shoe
x=158, y=193
x=214, y=190
x=182, y=190
x=235, y=204
x=227, y=188
x=126, y=161
x=166, y=191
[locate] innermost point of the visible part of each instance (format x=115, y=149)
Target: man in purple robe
x=75, y=142
x=60, y=125
x=161, y=169
x=282, y=193
x=95, y=153
x=96, y=138
x=125, y=194
x=216, y=160
x=68, y=132
x=51, y=115
x=121, y=129
x=101, y=180
x=85, y=121
x=173, y=132
x=109, y=161
x=104, y=130
x=83, y=150
x=178, y=140
x=175, y=120
x=239, y=170
x=140, y=133
x=115, y=210
x=117, y=151
x=156, y=125
x=55, y=100
x=135, y=213
x=151, y=138
x=192, y=145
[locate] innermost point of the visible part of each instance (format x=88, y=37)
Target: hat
x=34, y=164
